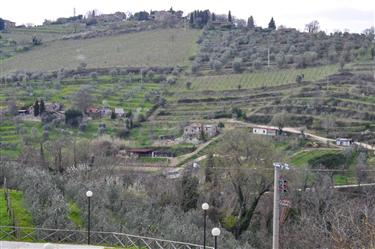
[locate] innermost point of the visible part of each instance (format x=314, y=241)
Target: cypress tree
x=42, y=107
x=209, y=173
x=250, y=22
x=191, y=20
x=213, y=17
x=272, y=24
x=36, y=108
x=190, y=195
x=2, y=24
x=229, y=17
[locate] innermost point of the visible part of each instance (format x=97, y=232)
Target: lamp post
x=88, y=195
x=205, y=207
x=215, y=232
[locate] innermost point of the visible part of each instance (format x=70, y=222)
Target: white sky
x=355, y=15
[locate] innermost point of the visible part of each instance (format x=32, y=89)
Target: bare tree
x=312, y=27
x=280, y=120
x=82, y=99
x=361, y=167
x=250, y=161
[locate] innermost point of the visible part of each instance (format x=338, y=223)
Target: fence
x=97, y=238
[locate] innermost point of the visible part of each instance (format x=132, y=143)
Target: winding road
x=177, y=161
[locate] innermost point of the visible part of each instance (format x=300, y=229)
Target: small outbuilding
x=140, y=152
x=265, y=131
x=119, y=112
x=347, y=142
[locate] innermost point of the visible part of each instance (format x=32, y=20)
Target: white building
x=344, y=142
x=265, y=131
x=119, y=112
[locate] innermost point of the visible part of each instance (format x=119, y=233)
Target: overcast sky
x=355, y=15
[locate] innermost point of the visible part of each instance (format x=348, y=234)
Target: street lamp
x=88, y=195
x=215, y=232
x=205, y=207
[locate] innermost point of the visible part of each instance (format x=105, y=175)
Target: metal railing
x=97, y=238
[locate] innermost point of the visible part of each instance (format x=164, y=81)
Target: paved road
x=24, y=245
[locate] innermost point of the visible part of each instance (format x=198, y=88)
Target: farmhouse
x=265, y=131
x=53, y=107
x=93, y=112
x=119, y=112
x=23, y=112
x=195, y=130
x=105, y=111
x=210, y=130
x=344, y=142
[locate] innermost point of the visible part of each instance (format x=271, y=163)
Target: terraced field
x=346, y=98
x=131, y=95
x=166, y=47
x=253, y=80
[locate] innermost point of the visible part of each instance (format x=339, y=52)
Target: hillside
x=157, y=113
x=166, y=47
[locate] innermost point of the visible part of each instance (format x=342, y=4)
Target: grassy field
x=301, y=158
x=23, y=217
x=74, y=214
x=254, y=80
x=166, y=47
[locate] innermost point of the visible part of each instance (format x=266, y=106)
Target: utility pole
x=276, y=204
x=276, y=208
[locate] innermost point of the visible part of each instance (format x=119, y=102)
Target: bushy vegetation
x=152, y=205
x=254, y=49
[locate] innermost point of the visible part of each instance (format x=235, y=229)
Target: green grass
x=153, y=160
x=74, y=214
x=254, y=80
x=166, y=47
x=301, y=158
x=23, y=217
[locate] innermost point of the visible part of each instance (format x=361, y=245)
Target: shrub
x=238, y=113
x=299, y=78
x=329, y=161
x=123, y=133
x=228, y=222
x=171, y=80
x=217, y=65
x=188, y=85
x=73, y=117
x=237, y=63
x=257, y=64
